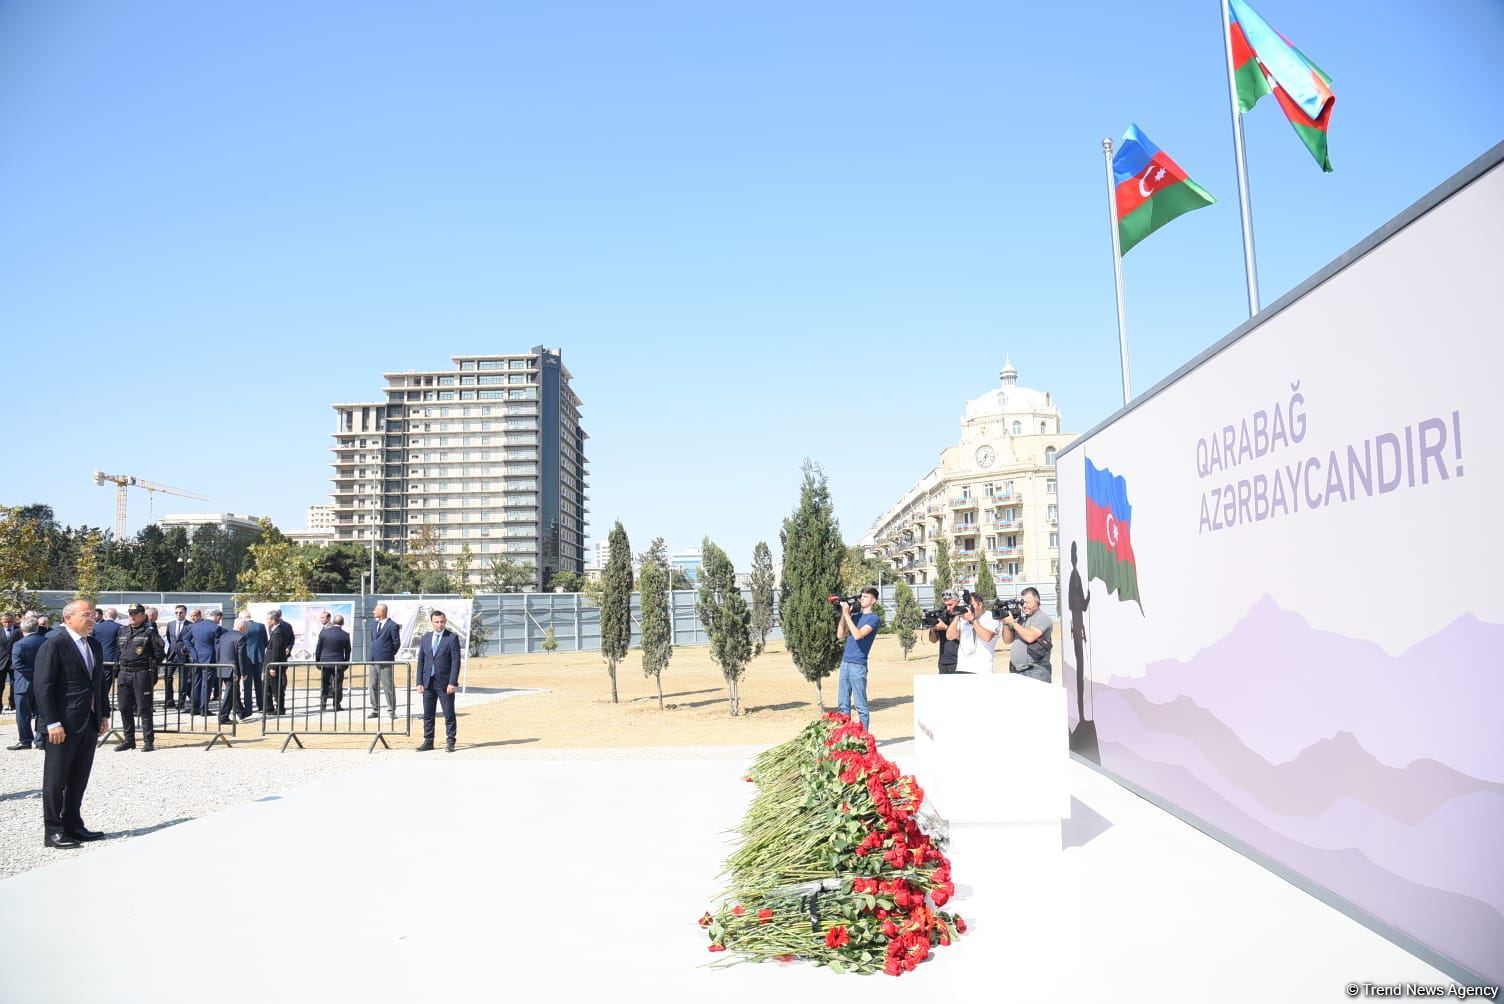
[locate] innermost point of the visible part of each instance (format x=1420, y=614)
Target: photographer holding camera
x=851, y=686
x=975, y=631
x=939, y=633
x=1029, y=637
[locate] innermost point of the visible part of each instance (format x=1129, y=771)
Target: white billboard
x=1284, y=612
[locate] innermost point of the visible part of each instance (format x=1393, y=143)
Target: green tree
x=762, y=595
x=338, y=568
x=985, y=587
x=462, y=563
x=727, y=619
x=859, y=571
x=550, y=642
x=278, y=570
x=657, y=631
x=908, y=618
x=569, y=582
x=507, y=576
x=681, y=583
x=87, y=570
x=23, y=558
x=943, y=576
x=812, y=556
x=616, y=602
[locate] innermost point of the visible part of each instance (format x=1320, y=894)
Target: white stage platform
x=579, y=879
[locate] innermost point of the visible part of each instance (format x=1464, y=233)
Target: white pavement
x=515, y=878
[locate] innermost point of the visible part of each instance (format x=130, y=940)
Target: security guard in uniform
x=141, y=651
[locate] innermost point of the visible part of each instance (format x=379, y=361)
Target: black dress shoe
x=128, y=744
x=374, y=714
x=425, y=747
x=449, y=746
x=19, y=746
x=148, y=747
x=60, y=842
x=85, y=835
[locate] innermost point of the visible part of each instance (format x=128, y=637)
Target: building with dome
x=991, y=497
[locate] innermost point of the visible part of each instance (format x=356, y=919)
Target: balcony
x=934, y=509
x=963, y=503
x=964, y=529
x=1006, y=525
x=1003, y=495
x=967, y=552
x=1005, y=552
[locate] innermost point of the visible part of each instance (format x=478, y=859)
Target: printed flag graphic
x=1264, y=62
x=1109, y=548
x=1151, y=189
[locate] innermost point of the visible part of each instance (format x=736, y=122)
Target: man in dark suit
x=23, y=656
x=253, y=691
x=203, y=646
x=386, y=639
x=333, y=657
x=9, y=635
x=73, y=700
x=279, y=641
x=107, y=633
x=438, y=679
x=177, y=658
x=230, y=654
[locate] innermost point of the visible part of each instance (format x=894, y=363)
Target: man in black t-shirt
x=948, y=649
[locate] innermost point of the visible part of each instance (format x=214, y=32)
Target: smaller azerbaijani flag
x=1262, y=57
x=1109, y=547
x=1151, y=188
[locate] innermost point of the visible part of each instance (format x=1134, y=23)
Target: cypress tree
x=616, y=603
x=762, y=595
x=985, y=587
x=657, y=632
x=942, y=567
x=723, y=611
x=907, y=618
x=812, y=556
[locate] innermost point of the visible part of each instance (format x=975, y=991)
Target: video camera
x=854, y=601
x=934, y=618
x=1000, y=608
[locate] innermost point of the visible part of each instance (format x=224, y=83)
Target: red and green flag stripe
x=1264, y=62
x=1151, y=189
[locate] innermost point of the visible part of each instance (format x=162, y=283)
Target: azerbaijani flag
x=1109, y=548
x=1262, y=57
x=1151, y=188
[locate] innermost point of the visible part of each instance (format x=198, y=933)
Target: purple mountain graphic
x=1456, y=925
x=1424, y=823
x=1282, y=686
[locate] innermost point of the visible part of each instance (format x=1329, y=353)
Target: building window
x=1049, y=456
x=1018, y=428
x=1054, y=538
x=1049, y=486
x=1041, y=428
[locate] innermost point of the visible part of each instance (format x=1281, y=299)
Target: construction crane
x=124, y=481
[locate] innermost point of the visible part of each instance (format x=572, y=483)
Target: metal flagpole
x=1250, y=262
x=1117, y=262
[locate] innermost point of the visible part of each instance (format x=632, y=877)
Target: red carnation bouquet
x=834, y=866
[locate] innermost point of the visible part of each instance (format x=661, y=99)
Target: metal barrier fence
x=181, y=716
x=337, y=699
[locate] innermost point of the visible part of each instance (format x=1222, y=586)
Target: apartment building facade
x=992, y=497
x=489, y=453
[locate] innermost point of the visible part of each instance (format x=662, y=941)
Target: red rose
x=893, y=967
x=783, y=958
x=960, y=924
x=738, y=909
x=941, y=895
x=764, y=915
x=836, y=937
x=705, y=920
x=890, y=929
x=717, y=948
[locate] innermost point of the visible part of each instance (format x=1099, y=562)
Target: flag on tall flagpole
x=1264, y=62
x=1151, y=189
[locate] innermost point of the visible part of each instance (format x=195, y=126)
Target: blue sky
x=759, y=232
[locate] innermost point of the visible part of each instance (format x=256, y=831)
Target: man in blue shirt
x=23, y=660
x=851, y=688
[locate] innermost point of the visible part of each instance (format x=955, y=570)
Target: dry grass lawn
x=575, y=710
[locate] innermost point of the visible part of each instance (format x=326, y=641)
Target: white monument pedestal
x=992, y=753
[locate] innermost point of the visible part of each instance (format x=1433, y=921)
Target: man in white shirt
x=976, y=630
